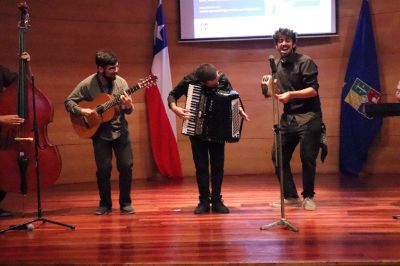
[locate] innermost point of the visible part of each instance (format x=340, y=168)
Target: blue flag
x=361, y=86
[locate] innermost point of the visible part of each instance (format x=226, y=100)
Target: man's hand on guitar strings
x=126, y=101
x=87, y=112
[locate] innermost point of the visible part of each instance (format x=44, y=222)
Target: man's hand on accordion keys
x=180, y=112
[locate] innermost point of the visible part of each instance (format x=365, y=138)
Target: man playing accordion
x=205, y=151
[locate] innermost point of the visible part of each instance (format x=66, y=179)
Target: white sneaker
x=289, y=202
x=309, y=204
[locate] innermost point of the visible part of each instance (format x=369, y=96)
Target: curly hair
x=284, y=32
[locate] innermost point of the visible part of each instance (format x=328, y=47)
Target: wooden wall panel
x=65, y=35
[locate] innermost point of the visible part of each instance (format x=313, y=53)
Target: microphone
x=266, y=86
x=272, y=64
x=267, y=80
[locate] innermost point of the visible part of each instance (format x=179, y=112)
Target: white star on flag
x=158, y=33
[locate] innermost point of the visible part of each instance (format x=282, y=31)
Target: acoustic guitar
x=106, y=108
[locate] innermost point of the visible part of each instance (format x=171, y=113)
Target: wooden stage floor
x=353, y=225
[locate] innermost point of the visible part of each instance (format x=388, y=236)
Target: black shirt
x=297, y=73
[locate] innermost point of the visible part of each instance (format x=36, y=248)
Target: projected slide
x=240, y=18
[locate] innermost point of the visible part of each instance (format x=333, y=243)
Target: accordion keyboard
x=192, y=104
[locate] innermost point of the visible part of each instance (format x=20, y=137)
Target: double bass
x=23, y=148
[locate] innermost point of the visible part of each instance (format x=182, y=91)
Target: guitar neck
x=116, y=100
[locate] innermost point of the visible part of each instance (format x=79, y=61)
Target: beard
x=109, y=78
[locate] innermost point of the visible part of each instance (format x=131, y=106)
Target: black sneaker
x=4, y=213
x=202, y=207
x=219, y=207
x=127, y=210
x=103, y=210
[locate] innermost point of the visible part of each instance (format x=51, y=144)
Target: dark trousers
x=124, y=158
x=309, y=138
x=203, y=153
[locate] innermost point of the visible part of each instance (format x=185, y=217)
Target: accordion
x=214, y=115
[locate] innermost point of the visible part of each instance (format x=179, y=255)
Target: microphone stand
x=28, y=225
x=278, y=153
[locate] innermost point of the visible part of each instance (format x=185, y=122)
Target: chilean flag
x=162, y=121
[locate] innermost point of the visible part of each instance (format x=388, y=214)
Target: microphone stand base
x=281, y=221
x=43, y=220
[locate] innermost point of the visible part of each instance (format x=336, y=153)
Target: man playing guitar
x=110, y=135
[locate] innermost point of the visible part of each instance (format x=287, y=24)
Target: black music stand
x=278, y=151
x=39, y=208
x=383, y=110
